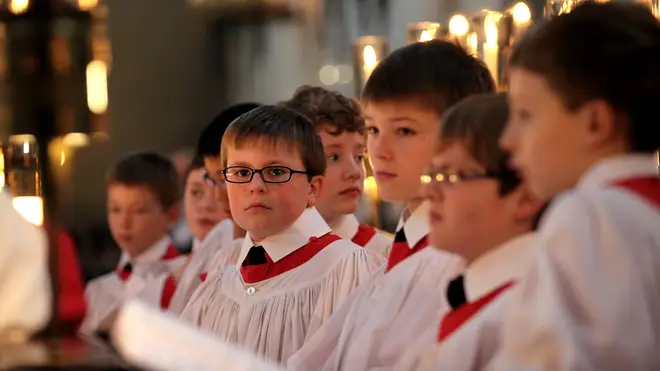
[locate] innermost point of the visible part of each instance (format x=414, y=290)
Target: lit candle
x=490, y=47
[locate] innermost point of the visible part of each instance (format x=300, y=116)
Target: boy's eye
x=405, y=132
x=371, y=130
x=276, y=171
x=242, y=172
x=333, y=157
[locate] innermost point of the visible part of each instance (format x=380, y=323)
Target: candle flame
x=18, y=6
x=521, y=13
x=459, y=25
x=425, y=36
x=370, y=57
x=490, y=29
x=97, y=87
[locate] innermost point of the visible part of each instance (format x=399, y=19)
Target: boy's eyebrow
x=335, y=145
x=244, y=164
x=403, y=119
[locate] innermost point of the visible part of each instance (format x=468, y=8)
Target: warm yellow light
x=75, y=140
x=97, y=87
x=62, y=158
x=370, y=57
x=490, y=28
x=473, y=43
x=459, y=25
x=521, y=13
x=425, y=36
x=26, y=147
x=371, y=188
x=18, y=6
x=2, y=169
x=425, y=179
x=87, y=4
x=31, y=208
x=370, y=60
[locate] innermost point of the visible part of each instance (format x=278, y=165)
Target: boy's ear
x=174, y=212
x=315, y=186
x=528, y=206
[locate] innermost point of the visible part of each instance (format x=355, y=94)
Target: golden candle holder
x=427, y=31
x=369, y=51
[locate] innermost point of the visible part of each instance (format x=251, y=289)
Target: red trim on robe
x=168, y=292
x=364, y=234
x=262, y=272
x=647, y=187
x=455, y=319
x=203, y=276
x=170, y=254
x=401, y=251
x=71, y=303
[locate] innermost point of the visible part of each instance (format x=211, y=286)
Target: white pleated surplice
x=592, y=298
x=284, y=310
x=105, y=294
x=220, y=238
x=388, y=316
x=347, y=227
x=25, y=294
x=463, y=349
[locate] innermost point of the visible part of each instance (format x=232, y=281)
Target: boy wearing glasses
x=480, y=210
x=340, y=125
x=403, y=102
x=292, y=271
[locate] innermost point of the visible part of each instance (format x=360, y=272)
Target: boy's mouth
x=257, y=206
x=384, y=175
x=351, y=192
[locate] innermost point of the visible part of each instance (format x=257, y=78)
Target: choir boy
x=219, y=247
x=480, y=210
x=584, y=126
x=292, y=271
x=340, y=125
x=403, y=100
x=143, y=194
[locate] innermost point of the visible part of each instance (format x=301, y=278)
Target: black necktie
x=400, y=236
x=456, y=292
x=256, y=256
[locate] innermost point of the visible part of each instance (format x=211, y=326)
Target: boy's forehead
x=126, y=191
x=345, y=139
x=262, y=150
x=453, y=152
x=399, y=109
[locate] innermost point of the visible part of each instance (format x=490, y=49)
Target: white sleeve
x=24, y=280
x=592, y=298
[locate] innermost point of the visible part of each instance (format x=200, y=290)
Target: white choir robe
x=25, y=294
x=388, y=314
x=199, y=262
x=150, y=281
x=348, y=228
x=273, y=316
x=592, y=298
x=475, y=327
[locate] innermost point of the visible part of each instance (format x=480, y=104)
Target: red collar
x=262, y=272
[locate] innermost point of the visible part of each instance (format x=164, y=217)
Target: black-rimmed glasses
x=269, y=174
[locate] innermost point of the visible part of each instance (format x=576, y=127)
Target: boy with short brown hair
x=339, y=123
x=403, y=102
x=583, y=129
x=143, y=205
x=292, y=272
